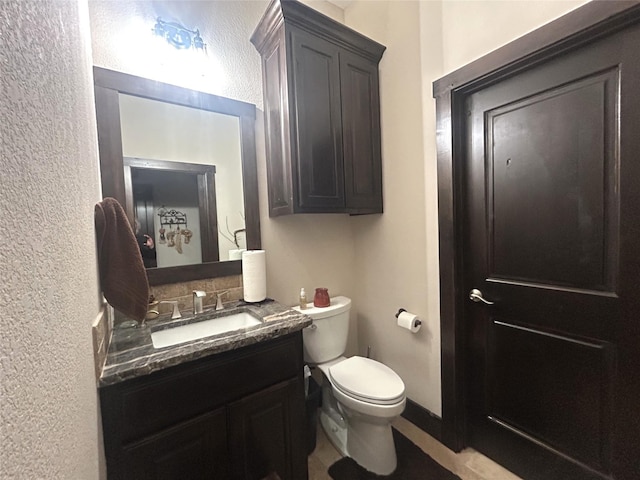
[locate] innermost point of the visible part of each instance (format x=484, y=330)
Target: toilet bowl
x=361, y=397
x=370, y=396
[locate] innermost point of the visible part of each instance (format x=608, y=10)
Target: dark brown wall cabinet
x=322, y=113
x=234, y=416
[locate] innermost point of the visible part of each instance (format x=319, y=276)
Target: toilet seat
x=368, y=381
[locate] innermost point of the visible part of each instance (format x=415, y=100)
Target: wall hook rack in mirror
x=172, y=217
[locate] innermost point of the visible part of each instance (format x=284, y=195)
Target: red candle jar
x=321, y=298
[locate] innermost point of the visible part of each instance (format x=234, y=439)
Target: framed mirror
x=183, y=165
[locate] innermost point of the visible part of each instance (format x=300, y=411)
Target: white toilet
x=360, y=397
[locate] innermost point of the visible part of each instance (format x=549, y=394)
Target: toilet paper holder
x=418, y=321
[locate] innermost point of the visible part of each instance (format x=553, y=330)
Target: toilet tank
x=326, y=338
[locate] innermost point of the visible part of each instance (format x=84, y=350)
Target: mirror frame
x=109, y=85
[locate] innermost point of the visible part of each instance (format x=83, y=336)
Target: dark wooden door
x=551, y=210
x=143, y=207
x=196, y=450
x=361, y=134
x=319, y=167
x=144, y=216
x=267, y=434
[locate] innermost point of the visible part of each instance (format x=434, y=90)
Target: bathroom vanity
x=230, y=406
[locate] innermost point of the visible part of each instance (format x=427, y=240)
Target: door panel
x=541, y=240
x=548, y=169
x=551, y=387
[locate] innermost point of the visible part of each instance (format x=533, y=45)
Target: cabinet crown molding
x=294, y=13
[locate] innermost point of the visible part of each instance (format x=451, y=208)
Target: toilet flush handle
x=313, y=326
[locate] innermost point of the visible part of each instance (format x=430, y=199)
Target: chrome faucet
x=176, y=310
x=198, y=295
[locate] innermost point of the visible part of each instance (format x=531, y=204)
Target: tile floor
x=468, y=464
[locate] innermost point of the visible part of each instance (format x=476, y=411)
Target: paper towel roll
x=254, y=275
x=409, y=321
x=236, y=253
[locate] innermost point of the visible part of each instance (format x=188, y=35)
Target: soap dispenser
x=303, y=299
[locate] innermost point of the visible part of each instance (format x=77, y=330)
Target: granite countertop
x=132, y=354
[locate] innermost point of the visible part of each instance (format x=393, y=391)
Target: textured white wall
x=122, y=41
x=48, y=293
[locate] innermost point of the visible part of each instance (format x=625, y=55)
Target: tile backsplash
x=183, y=292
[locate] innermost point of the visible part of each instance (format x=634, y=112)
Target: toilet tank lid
x=338, y=305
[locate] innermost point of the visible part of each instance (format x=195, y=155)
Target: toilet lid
x=367, y=380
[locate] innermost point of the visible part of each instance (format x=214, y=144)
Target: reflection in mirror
x=167, y=209
x=183, y=165
x=153, y=130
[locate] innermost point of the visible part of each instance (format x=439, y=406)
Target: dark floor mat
x=413, y=464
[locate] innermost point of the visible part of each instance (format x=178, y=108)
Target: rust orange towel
x=122, y=274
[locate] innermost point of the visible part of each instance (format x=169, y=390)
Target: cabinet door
x=361, y=131
x=267, y=433
x=196, y=450
x=276, y=116
x=316, y=121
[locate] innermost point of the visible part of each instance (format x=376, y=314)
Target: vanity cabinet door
x=194, y=450
x=317, y=151
x=267, y=433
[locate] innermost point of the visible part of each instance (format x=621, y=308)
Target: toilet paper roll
x=254, y=275
x=236, y=253
x=409, y=321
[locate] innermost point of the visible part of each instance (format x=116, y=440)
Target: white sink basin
x=201, y=329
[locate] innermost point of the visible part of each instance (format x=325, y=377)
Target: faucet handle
x=219, y=295
x=176, y=310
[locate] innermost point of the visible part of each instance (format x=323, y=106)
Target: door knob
x=476, y=296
